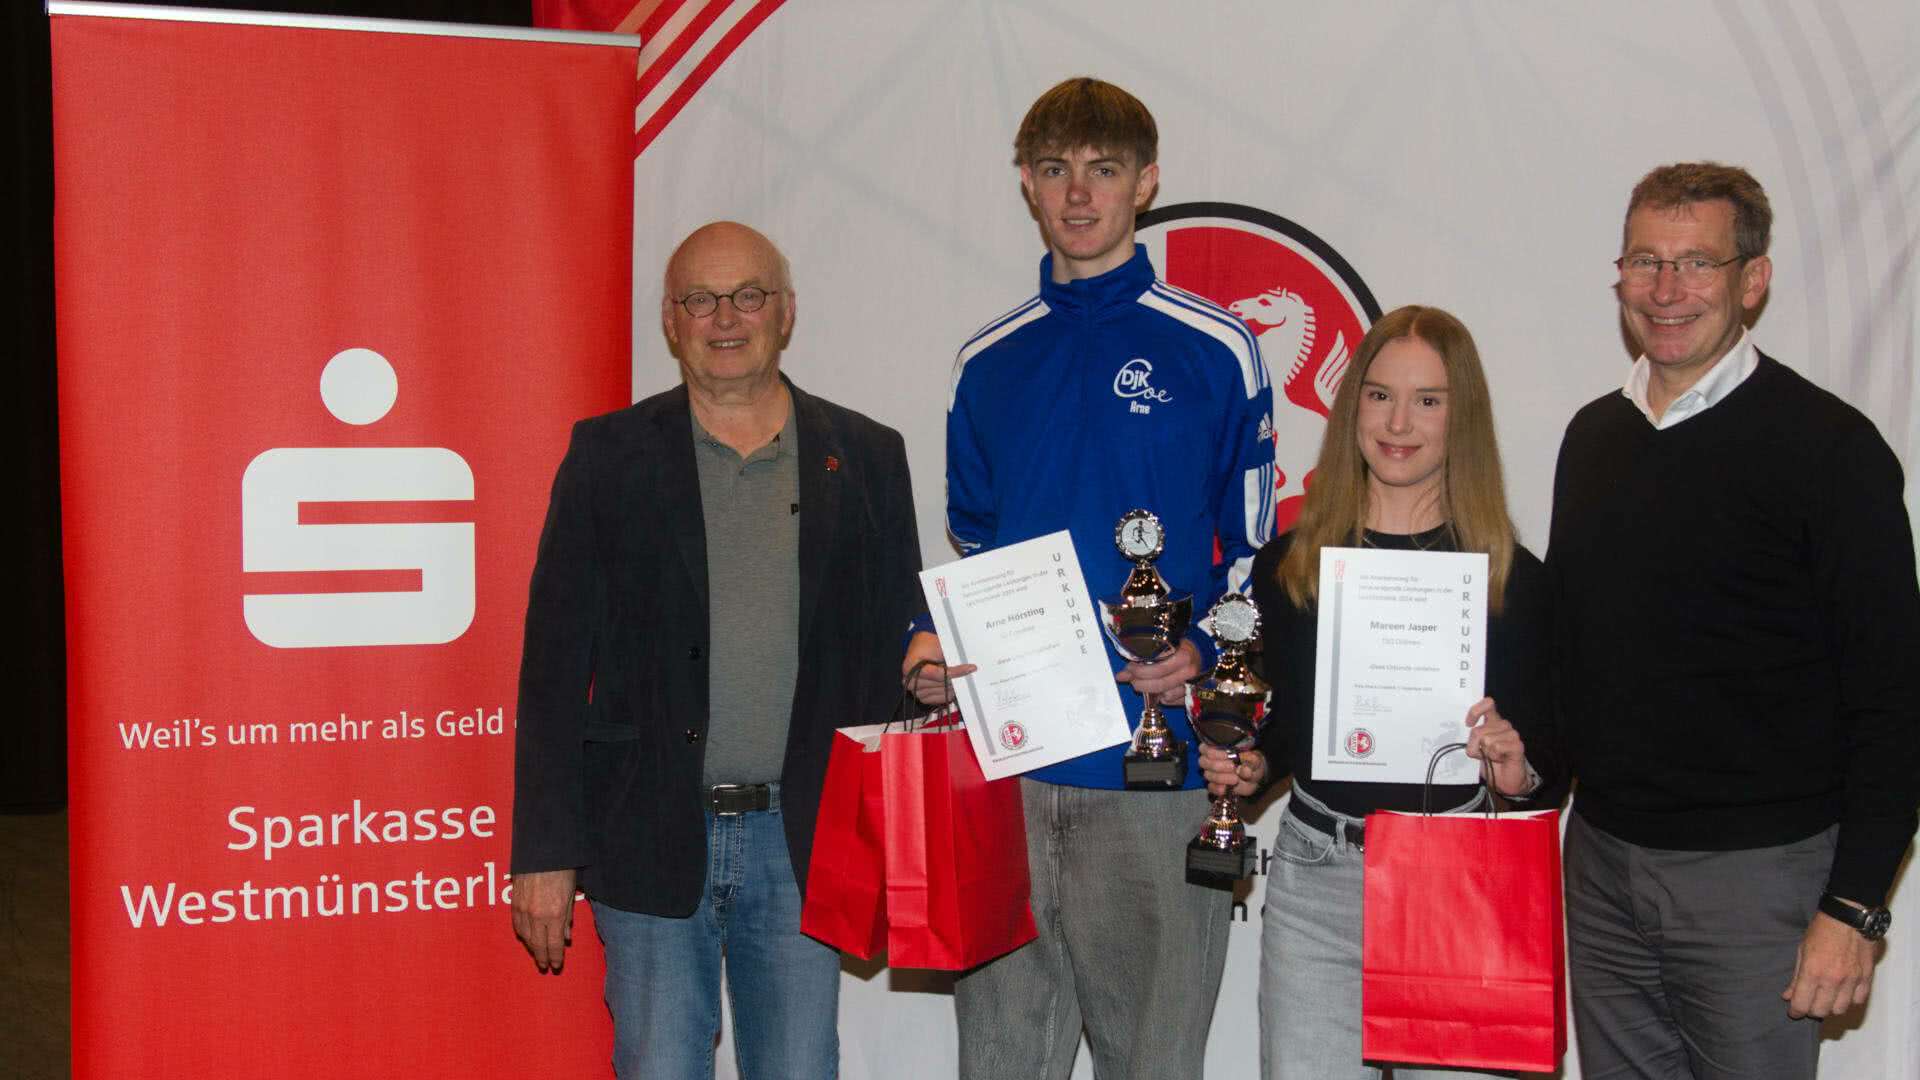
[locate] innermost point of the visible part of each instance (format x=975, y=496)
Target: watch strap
x=1872, y=923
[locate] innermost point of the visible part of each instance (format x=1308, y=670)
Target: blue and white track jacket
x=1105, y=395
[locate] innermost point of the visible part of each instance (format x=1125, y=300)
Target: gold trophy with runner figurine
x=1146, y=622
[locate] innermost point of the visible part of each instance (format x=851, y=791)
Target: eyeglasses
x=1693, y=271
x=745, y=299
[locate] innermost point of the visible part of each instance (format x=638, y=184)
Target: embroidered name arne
x=1133, y=384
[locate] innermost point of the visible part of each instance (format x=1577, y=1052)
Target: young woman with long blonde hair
x=1409, y=461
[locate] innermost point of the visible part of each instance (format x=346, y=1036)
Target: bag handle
x=1433, y=764
x=907, y=711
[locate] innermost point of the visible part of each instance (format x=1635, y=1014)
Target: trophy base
x=1216, y=868
x=1154, y=774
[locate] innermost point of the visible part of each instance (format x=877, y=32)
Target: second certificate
x=1044, y=692
x=1401, y=657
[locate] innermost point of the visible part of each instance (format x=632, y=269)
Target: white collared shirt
x=1720, y=380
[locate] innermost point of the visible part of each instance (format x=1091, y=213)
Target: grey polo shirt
x=752, y=511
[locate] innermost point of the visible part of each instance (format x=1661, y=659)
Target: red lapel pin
x=833, y=463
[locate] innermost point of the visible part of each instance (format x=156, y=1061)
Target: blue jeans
x=1310, y=959
x=1128, y=951
x=663, y=974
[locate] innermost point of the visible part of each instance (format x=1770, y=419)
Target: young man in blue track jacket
x=1108, y=391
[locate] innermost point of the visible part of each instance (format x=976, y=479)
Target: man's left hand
x=1833, y=972
x=1164, y=681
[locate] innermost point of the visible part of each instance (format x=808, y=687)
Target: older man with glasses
x=723, y=579
x=1737, y=629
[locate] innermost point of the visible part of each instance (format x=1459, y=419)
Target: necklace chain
x=1440, y=532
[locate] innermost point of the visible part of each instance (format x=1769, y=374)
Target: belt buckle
x=719, y=800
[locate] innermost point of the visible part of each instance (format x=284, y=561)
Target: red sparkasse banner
x=328, y=303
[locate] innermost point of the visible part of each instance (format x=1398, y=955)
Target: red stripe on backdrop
x=677, y=48
x=304, y=317
x=652, y=126
x=654, y=15
x=661, y=12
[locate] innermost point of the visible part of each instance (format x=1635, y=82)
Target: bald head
x=724, y=244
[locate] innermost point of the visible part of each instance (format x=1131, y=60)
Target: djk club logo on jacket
x=1296, y=294
x=1133, y=383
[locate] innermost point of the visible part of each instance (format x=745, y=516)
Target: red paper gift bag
x=846, y=901
x=1462, y=958
x=958, y=893
x=915, y=849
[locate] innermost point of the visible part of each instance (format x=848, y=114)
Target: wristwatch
x=1871, y=922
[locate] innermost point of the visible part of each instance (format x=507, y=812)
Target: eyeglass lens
x=1691, y=271
x=702, y=304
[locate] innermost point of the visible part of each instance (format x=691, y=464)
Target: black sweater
x=1738, y=627
x=1517, y=658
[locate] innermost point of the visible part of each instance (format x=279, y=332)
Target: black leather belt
x=739, y=798
x=1355, y=834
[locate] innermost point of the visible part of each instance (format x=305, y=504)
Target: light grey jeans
x=1310, y=959
x=1127, y=949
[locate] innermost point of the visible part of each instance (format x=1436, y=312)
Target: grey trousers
x=1678, y=957
x=1128, y=951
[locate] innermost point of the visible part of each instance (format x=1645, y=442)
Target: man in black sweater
x=1738, y=647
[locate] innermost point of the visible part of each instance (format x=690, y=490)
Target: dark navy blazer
x=613, y=678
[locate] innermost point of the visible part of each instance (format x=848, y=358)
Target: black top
x=1739, y=627
x=1517, y=680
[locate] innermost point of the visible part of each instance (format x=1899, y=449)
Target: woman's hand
x=1492, y=739
x=1222, y=772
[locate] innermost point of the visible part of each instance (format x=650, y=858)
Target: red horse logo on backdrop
x=1303, y=301
x=1285, y=324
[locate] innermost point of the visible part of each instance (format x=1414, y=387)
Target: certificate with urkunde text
x=1400, y=658
x=1044, y=691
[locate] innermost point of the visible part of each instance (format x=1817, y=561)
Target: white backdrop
x=1476, y=156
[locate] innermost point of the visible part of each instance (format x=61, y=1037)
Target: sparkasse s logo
x=1297, y=295
x=357, y=545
